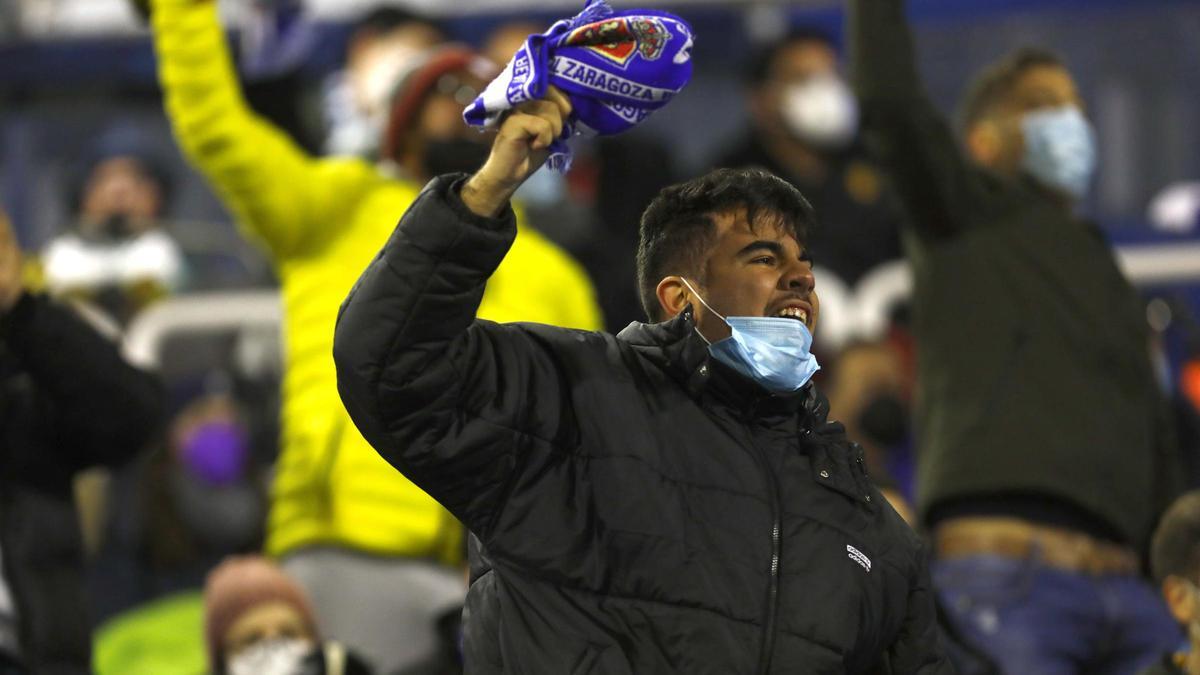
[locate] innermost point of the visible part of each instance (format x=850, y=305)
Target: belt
x=1014, y=538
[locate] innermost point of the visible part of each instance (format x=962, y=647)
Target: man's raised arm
x=912, y=139
x=454, y=403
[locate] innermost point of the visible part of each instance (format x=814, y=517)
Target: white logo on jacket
x=858, y=557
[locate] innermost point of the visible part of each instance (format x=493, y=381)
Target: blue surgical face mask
x=1060, y=149
x=772, y=351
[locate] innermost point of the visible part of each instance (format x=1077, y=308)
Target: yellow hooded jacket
x=322, y=221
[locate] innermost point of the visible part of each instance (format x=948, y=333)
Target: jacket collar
x=676, y=348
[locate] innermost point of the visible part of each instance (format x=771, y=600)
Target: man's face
x=794, y=64
x=120, y=187
x=375, y=60
x=762, y=271
x=441, y=141
x=1038, y=88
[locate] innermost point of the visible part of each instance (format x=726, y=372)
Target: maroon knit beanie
x=241, y=583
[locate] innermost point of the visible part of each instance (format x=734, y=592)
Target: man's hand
x=521, y=147
x=11, y=286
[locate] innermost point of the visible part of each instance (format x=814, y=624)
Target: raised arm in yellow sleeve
x=282, y=196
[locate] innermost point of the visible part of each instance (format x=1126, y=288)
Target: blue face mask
x=772, y=351
x=1060, y=149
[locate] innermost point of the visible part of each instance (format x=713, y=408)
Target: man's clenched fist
x=521, y=147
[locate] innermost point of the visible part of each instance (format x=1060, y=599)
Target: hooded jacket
x=637, y=507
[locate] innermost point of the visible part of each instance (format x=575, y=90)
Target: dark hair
x=1175, y=548
x=385, y=19
x=758, y=70
x=995, y=82
x=677, y=229
x=121, y=141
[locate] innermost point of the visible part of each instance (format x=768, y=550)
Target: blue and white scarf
x=616, y=68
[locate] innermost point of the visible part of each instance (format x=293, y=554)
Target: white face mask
x=822, y=111
x=270, y=657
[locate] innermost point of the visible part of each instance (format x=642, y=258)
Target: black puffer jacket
x=641, y=509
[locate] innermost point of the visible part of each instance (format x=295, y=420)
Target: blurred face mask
x=270, y=657
x=1060, y=149
x=884, y=419
x=772, y=351
x=821, y=111
x=212, y=493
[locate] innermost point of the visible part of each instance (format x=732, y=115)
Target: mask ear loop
x=706, y=306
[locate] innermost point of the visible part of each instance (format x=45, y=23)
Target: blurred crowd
x=226, y=517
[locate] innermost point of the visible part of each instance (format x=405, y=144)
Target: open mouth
x=798, y=313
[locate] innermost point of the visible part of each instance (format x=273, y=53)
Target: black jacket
x=67, y=402
x=641, y=509
x=1033, y=351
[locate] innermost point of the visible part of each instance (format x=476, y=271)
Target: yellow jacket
x=322, y=220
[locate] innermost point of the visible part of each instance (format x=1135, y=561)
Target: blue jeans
x=1035, y=620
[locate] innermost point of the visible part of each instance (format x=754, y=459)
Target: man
x=638, y=506
x=1175, y=563
x=1042, y=463
x=804, y=124
x=368, y=546
x=67, y=402
x=117, y=254
x=257, y=620
x=383, y=45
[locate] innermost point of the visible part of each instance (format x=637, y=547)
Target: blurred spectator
x=804, y=123
x=69, y=402
x=425, y=134
x=172, y=519
x=1045, y=455
x=383, y=45
x=1175, y=564
x=259, y=622
x=176, y=515
x=116, y=253
x=868, y=393
x=1175, y=325
x=370, y=548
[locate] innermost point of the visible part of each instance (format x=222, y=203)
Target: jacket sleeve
x=100, y=409
x=280, y=195
x=462, y=407
x=917, y=649
x=912, y=140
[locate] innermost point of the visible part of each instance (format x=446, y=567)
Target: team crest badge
x=618, y=40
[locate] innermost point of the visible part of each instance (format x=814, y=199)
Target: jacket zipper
x=768, y=641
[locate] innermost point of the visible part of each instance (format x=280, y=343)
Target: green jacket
x=1033, y=353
